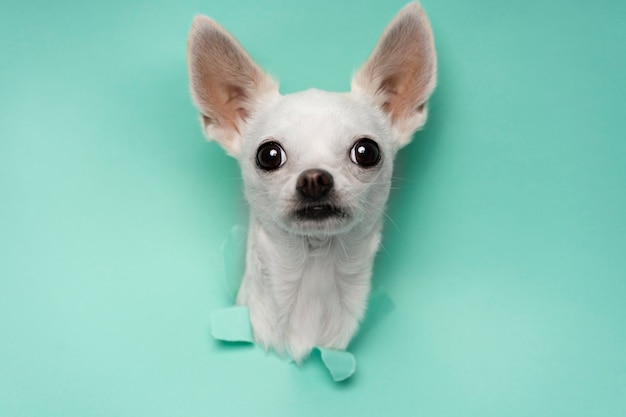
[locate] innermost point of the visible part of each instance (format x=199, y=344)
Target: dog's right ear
x=226, y=85
x=401, y=73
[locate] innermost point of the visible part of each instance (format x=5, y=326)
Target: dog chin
x=319, y=219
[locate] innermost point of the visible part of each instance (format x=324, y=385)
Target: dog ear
x=226, y=85
x=401, y=72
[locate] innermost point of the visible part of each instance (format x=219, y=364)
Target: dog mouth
x=319, y=212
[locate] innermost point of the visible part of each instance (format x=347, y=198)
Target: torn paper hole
x=232, y=324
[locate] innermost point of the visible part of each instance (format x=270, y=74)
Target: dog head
x=315, y=162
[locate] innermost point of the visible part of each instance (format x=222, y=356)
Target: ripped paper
x=340, y=363
x=232, y=324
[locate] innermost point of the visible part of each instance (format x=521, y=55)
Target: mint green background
x=505, y=260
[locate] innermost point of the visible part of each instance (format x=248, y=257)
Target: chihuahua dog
x=317, y=170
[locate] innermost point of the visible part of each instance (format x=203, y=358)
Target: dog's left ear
x=226, y=85
x=401, y=73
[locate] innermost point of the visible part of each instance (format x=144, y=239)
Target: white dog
x=317, y=170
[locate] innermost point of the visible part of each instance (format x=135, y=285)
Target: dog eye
x=270, y=156
x=365, y=153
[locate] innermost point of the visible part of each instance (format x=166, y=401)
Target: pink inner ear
x=234, y=93
x=388, y=85
x=206, y=120
x=399, y=91
x=223, y=105
x=235, y=102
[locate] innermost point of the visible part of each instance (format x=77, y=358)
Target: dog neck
x=305, y=289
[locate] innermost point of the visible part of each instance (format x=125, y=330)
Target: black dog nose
x=314, y=183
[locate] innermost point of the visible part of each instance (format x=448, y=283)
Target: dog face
x=315, y=163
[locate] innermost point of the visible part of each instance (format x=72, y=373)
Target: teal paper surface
x=503, y=252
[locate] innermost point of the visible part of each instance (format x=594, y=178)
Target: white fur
x=307, y=281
